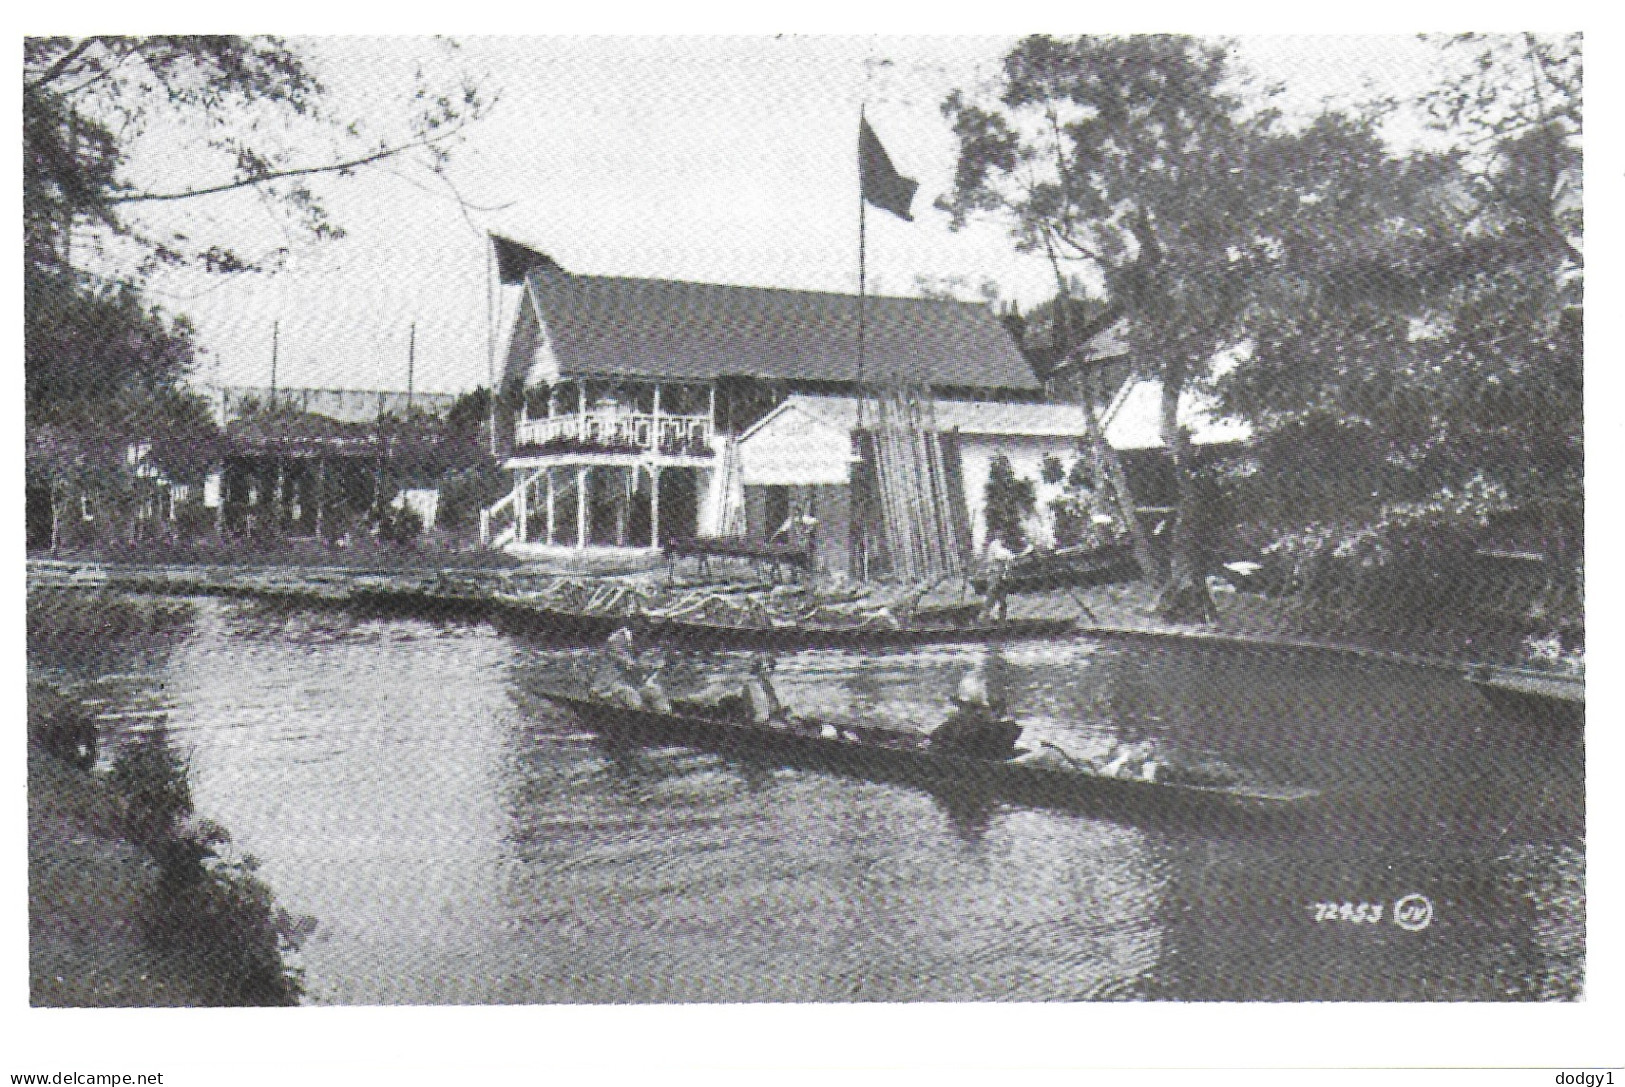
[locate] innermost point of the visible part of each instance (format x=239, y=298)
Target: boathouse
x=625, y=400
x=796, y=462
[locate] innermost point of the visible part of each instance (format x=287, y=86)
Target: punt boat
x=894, y=754
x=515, y=615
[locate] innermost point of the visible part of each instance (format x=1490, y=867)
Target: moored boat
x=519, y=615
x=1542, y=698
x=869, y=636
x=1068, y=567
x=903, y=755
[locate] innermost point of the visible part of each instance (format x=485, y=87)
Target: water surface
x=459, y=840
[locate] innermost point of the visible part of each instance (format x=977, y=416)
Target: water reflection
x=462, y=839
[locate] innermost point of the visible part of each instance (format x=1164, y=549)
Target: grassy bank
x=1284, y=621
x=133, y=900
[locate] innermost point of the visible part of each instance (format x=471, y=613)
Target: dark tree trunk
x=1184, y=597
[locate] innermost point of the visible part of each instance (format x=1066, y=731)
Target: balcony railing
x=617, y=431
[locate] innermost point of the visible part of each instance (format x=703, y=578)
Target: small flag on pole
x=515, y=261
x=882, y=185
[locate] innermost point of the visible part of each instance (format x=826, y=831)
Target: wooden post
x=623, y=503
x=321, y=496
x=521, y=505
x=654, y=495
x=411, y=365
x=654, y=437
x=581, y=506
x=551, y=513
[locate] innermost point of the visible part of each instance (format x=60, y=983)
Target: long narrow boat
x=421, y=601
x=516, y=615
x=1541, y=698
x=1068, y=567
x=524, y=617
x=897, y=755
x=821, y=636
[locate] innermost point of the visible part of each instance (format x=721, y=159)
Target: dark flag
x=882, y=185
x=515, y=261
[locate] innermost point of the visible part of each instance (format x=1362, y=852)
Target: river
x=459, y=840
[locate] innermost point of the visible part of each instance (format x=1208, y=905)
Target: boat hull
x=1537, y=698
x=906, y=759
x=1075, y=569
x=563, y=625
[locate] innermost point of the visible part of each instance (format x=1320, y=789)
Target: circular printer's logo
x=1413, y=913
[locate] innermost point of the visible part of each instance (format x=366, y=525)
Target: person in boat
x=977, y=726
x=755, y=700
x=999, y=559
x=625, y=679
x=763, y=699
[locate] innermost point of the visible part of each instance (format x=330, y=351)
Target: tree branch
x=62, y=63
x=277, y=175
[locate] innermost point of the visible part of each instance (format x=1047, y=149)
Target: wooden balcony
x=616, y=432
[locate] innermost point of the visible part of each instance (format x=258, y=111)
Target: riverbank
x=133, y=900
x=1243, y=619
x=1248, y=619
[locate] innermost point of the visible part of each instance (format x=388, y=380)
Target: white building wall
x=1026, y=456
x=797, y=450
x=802, y=448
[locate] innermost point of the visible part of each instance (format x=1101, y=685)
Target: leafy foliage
x=1420, y=363
x=1405, y=329
x=1007, y=501
x=112, y=124
x=1135, y=156
x=245, y=104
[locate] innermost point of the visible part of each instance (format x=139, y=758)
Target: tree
x=1008, y=500
x=1134, y=156
x=114, y=125
x=246, y=110
x=1416, y=363
x=104, y=378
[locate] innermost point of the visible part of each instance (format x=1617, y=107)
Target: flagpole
x=491, y=340
x=865, y=449
x=863, y=277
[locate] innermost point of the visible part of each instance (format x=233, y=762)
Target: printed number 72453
x=1359, y=913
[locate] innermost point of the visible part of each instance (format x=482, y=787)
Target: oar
x=1093, y=618
x=1062, y=752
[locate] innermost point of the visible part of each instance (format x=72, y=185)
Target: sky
x=718, y=159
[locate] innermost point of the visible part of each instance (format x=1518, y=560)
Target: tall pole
x=411, y=362
x=863, y=276
x=276, y=330
x=491, y=341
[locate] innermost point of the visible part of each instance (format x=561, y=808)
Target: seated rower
x=761, y=698
x=978, y=726
x=756, y=700
x=624, y=680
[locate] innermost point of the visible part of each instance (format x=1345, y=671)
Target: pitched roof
x=1133, y=420
x=701, y=331
x=965, y=416
x=1110, y=342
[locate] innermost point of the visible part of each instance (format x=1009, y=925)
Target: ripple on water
x=462, y=840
